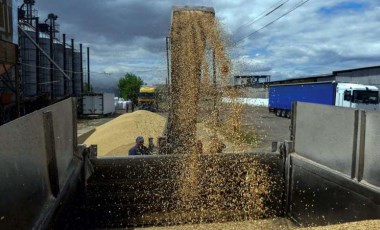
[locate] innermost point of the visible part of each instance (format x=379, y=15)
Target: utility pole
x=168, y=68
x=167, y=58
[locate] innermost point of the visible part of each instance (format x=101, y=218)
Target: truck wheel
x=283, y=113
x=289, y=114
x=278, y=112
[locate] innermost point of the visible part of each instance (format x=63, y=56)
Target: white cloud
x=129, y=36
x=245, y=65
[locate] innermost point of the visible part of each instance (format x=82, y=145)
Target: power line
x=47, y=68
x=263, y=14
x=94, y=72
x=270, y=23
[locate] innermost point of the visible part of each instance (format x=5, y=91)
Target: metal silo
x=58, y=81
x=45, y=66
x=68, y=70
x=77, y=75
x=28, y=65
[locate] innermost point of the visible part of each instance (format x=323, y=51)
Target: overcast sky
x=315, y=38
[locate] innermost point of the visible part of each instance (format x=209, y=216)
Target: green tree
x=129, y=86
x=85, y=88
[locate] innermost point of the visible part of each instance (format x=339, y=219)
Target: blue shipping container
x=282, y=96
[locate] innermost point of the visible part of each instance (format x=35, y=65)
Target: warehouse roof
x=316, y=77
x=356, y=69
x=307, y=78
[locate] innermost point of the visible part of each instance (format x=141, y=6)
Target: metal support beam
x=38, y=75
x=88, y=70
x=65, y=82
x=167, y=61
x=51, y=63
x=73, y=72
x=81, y=67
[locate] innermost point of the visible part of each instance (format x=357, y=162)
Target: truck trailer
x=332, y=93
x=98, y=103
x=51, y=182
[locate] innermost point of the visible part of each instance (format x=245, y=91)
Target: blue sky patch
x=342, y=7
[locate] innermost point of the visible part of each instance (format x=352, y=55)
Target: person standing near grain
x=128, y=105
x=139, y=148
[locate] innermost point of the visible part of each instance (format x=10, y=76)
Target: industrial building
x=366, y=75
x=256, y=88
x=37, y=67
x=251, y=80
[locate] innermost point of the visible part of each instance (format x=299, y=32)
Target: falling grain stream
x=199, y=71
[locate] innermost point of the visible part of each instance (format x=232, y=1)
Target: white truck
x=98, y=103
x=357, y=96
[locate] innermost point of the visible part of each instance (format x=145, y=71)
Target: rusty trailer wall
x=332, y=174
x=38, y=163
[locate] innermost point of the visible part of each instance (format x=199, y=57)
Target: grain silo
x=68, y=69
x=58, y=80
x=28, y=64
x=77, y=74
x=45, y=82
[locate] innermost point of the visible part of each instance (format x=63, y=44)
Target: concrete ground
x=267, y=127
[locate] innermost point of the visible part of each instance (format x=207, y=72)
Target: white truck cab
x=357, y=96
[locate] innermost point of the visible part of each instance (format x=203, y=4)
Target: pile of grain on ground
x=116, y=137
x=359, y=225
x=277, y=223
x=270, y=224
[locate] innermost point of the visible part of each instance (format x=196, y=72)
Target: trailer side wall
x=333, y=173
x=37, y=164
x=282, y=96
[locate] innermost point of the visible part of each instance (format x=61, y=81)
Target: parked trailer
x=348, y=95
x=98, y=103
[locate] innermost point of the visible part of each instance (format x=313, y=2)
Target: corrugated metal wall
x=368, y=76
